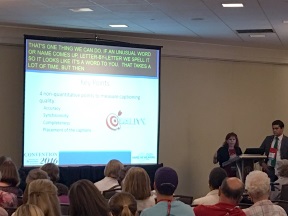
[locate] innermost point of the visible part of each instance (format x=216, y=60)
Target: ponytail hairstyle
x=123, y=204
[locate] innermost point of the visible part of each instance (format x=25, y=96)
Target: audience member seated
x=4, y=158
x=230, y=193
x=87, y=200
x=216, y=177
x=122, y=173
x=111, y=173
x=28, y=210
x=137, y=183
x=282, y=180
x=33, y=175
x=53, y=172
x=10, y=178
x=123, y=204
x=7, y=200
x=257, y=185
x=43, y=193
x=165, y=184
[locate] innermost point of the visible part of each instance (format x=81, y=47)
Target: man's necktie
x=273, y=161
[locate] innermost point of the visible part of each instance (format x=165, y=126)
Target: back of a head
x=86, y=200
x=137, y=182
x=43, y=193
x=4, y=158
x=257, y=184
x=123, y=204
x=122, y=173
x=112, y=168
x=36, y=174
x=216, y=177
x=166, y=181
x=33, y=175
x=279, y=123
x=9, y=173
x=232, y=188
x=52, y=170
x=28, y=210
x=283, y=168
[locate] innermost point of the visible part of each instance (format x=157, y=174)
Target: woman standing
x=228, y=151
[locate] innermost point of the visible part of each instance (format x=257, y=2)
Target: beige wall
x=203, y=100
x=206, y=91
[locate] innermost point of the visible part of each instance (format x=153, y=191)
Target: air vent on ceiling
x=255, y=31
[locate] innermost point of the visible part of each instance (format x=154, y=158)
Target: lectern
x=244, y=164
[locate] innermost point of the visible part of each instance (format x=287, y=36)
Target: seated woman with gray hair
x=282, y=180
x=111, y=173
x=257, y=185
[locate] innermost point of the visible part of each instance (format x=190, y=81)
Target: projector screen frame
x=95, y=41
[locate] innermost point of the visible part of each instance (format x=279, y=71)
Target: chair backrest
x=184, y=198
x=244, y=205
x=20, y=200
x=109, y=193
x=10, y=210
x=64, y=207
x=284, y=192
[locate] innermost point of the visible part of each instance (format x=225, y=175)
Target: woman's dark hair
x=9, y=173
x=86, y=200
x=122, y=174
x=52, y=170
x=232, y=134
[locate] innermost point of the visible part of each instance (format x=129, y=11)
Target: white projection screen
x=87, y=102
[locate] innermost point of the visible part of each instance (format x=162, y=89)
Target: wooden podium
x=244, y=164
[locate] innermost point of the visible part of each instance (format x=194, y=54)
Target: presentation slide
x=88, y=103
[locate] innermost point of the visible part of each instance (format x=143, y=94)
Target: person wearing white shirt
x=111, y=173
x=216, y=176
x=275, y=148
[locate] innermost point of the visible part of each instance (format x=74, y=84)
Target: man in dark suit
x=275, y=148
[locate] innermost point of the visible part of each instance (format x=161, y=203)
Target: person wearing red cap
x=165, y=184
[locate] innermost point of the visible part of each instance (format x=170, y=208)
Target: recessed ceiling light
x=118, y=26
x=233, y=5
x=81, y=9
x=257, y=36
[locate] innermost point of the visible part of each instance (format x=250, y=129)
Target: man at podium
x=275, y=148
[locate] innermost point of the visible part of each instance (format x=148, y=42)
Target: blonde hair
x=112, y=168
x=33, y=175
x=137, y=183
x=123, y=204
x=36, y=174
x=43, y=193
x=28, y=210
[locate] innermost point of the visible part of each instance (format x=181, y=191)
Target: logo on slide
x=112, y=121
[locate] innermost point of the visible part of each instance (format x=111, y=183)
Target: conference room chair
x=10, y=210
x=109, y=193
x=284, y=192
x=184, y=198
x=64, y=207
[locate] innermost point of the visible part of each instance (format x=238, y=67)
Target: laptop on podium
x=254, y=151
